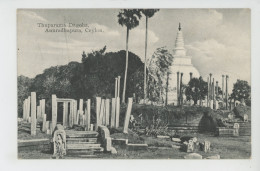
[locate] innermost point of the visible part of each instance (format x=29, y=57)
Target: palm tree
x=148, y=14
x=130, y=19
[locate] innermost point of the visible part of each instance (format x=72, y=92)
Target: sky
x=217, y=39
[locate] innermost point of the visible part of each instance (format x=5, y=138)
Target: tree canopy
x=242, y=90
x=196, y=89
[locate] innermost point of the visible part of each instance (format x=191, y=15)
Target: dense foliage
x=196, y=89
x=95, y=76
x=242, y=91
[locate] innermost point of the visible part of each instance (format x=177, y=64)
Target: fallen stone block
x=193, y=156
x=217, y=156
x=163, y=137
x=176, y=146
x=137, y=146
x=176, y=139
x=119, y=141
x=113, y=150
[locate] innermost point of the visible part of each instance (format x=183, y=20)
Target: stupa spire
x=179, y=26
x=179, y=43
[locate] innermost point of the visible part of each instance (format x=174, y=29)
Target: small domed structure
x=181, y=64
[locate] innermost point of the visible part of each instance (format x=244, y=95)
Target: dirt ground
x=226, y=147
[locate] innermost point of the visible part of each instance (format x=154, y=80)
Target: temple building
x=182, y=64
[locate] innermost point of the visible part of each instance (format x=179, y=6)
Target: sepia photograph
x=133, y=83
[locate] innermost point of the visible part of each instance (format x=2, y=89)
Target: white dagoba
x=181, y=64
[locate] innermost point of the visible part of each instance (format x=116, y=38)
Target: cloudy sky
x=217, y=39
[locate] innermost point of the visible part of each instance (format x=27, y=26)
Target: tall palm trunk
x=145, y=91
x=126, y=65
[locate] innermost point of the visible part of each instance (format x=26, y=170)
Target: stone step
x=81, y=140
x=81, y=146
x=81, y=134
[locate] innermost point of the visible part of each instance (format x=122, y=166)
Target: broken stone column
x=88, y=114
x=208, y=92
x=33, y=113
x=65, y=114
x=42, y=107
x=127, y=115
x=213, y=94
x=181, y=98
x=38, y=112
x=113, y=113
x=70, y=113
x=107, y=111
x=47, y=125
x=210, y=87
x=81, y=106
x=223, y=79
x=117, y=111
x=211, y=104
x=44, y=123
x=75, y=111
x=178, y=89
x=54, y=110
x=24, y=110
x=236, y=129
x=226, y=92
x=116, y=87
x=28, y=107
x=98, y=105
x=102, y=111
x=206, y=146
x=216, y=89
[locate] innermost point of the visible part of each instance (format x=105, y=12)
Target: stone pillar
x=190, y=75
x=113, y=113
x=70, y=104
x=75, y=111
x=208, y=92
x=223, y=79
x=178, y=89
x=44, y=123
x=102, y=111
x=117, y=111
x=81, y=106
x=98, y=102
x=210, y=89
x=107, y=111
x=213, y=93
x=226, y=92
x=127, y=115
x=33, y=113
x=54, y=110
x=116, y=87
x=28, y=107
x=38, y=112
x=43, y=107
x=211, y=104
x=181, y=97
x=88, y=114
x=65, y=114
x=216, y=89
x=24, y=110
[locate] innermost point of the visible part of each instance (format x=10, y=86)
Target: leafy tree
x=23, y=85
x=159, y=69
x=130, y=19
x=148, y=14
x=196, y=89
x=241, y=90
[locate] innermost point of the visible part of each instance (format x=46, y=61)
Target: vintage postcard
x=134, y=83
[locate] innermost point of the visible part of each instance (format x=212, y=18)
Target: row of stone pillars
x=32, y=112
x=213, y=90
x=180, y=88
